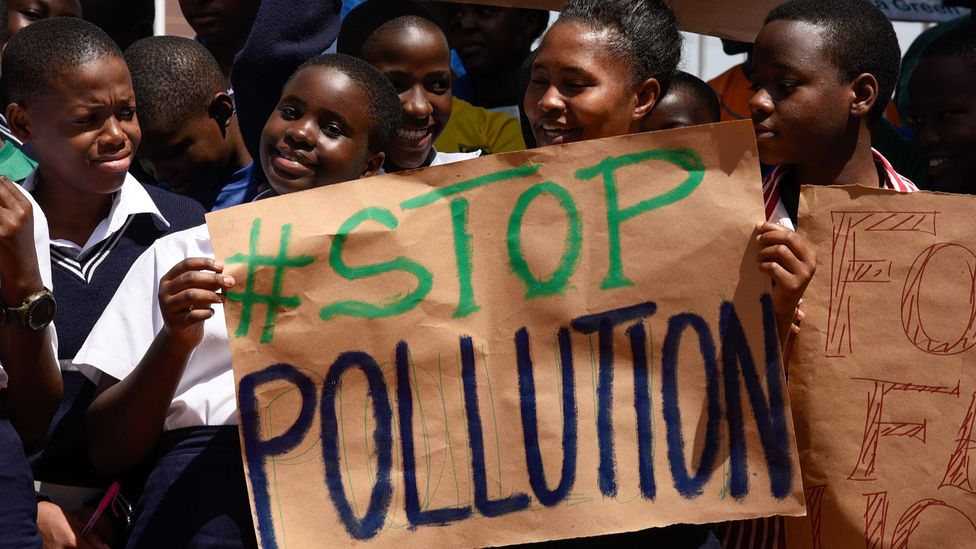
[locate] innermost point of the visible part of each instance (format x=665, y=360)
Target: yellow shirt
x=474, y=128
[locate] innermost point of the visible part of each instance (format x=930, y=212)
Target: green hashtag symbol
x=274, y=301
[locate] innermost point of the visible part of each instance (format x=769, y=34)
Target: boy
x=819, y=91
x=191, y=141
x=169, y=382
x=943, y=109
x=72, y=101
x=688, y=102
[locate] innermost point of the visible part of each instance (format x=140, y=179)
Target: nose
x=300, y=133
x=112, y=135
x=551, y=100
x=761, y=104
x=415, y=103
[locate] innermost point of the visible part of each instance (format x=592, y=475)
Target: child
x=15, y=164
x=600, y=69
x=943, y=109
x=399, y=38
x=169, y=383
x=190, y=138
x=492, y=43
x=72, y=101
x=689, y=102
x=819, y=91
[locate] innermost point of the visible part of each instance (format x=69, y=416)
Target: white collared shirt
x=131, y=199
x=127, y=327
x=42, y=247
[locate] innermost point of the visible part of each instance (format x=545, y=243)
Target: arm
x=34, y=386
x=790, y=261
x=284, y=35
x=126, y=419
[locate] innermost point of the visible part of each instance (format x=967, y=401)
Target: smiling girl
x=600, y=69
x=405, y=45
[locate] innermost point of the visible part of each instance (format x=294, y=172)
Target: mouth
x=290, y=163
x=415, y=138
x=938, y=164
x=763, y=132
x=115, y=163
x=554, y=134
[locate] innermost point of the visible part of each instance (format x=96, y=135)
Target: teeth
x=934, y=162
x=287, y=156
x=554, y=128
x=412, y=135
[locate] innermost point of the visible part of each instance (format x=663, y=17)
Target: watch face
x=41, y=313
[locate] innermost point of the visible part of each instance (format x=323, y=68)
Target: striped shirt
x=770, y=532
x=772, y=185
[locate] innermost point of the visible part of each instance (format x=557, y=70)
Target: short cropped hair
x=702, y=93
x=37, y=55
x=858, y=38
x=371, y=16
x=958, y=42
x=382, y=102
x=174, y=80
x=645, y=34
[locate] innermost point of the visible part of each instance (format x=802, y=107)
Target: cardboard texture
x=736, y=20
x=538, y=345
x=882, y=379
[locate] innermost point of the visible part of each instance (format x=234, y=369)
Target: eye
x=439, y=85
x=333, y=130
x=788, y=85
x=944, y=115
x=127, y=113
x=84, y=120
x=32, y=14
x=288, y=113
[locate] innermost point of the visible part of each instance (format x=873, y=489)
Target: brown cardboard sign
x=882, y=381
x=547, y=344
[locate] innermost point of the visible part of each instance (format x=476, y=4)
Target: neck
x=239, y=155
x=850, y=162
x=72, y=214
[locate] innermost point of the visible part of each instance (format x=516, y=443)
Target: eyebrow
x=787, y=67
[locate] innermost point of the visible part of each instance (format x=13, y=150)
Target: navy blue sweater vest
x=83, y=289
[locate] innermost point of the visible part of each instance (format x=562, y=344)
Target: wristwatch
x=34, y=314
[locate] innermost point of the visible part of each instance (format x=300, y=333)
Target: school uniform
x=195, y=493
x=18, y=504
x=85, y=277
x=770, y=532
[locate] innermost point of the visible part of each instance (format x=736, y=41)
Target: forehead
x=570, y=44
x=324, y=88
x=414, y=43
x=796, y=45
x=106, y=74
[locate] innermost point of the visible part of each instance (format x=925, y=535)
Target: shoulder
x=181, y=212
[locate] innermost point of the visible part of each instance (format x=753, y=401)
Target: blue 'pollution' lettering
x=768, y=410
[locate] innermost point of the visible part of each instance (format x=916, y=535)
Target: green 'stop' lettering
x=396, y=304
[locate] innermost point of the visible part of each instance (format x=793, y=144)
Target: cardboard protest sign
x=539, y=345
x=723, y=18
x=882, y=380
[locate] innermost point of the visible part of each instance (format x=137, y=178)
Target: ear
x=221, y=109
x=865, y=95
x=374, y=161
x=19, y=122
x=646, y=94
